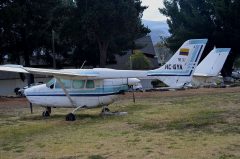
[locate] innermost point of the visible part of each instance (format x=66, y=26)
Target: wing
x=65, y=74
x=13, y=68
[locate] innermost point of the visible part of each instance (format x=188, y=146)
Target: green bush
x=138, y=61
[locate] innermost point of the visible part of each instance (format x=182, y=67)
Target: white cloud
x=152, y=12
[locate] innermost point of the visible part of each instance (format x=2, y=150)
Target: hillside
x=158, y=28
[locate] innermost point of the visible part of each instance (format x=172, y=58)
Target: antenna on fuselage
x=83, y=64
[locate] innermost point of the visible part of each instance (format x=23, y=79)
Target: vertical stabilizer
x=178, y=71
x=212, y=63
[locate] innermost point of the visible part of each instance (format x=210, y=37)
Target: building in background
x=9, y=81
x=163, y=53
x=144, y=45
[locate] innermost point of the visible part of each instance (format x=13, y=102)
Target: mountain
x=158, y=28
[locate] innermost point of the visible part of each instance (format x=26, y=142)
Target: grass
x=196, y=126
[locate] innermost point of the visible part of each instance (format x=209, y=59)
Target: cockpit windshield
x=50, y=84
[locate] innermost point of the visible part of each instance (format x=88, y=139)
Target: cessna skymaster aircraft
x=90, y=88
x=208, y=70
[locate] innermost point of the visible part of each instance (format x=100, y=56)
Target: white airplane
x=91, y=88
x=208, y=70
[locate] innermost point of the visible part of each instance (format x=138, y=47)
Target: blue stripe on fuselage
x=100, y=91
x=74, y=95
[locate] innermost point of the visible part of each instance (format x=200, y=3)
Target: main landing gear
x=71, y=116
x=47, y=112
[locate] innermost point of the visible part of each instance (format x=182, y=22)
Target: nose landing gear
x=47, y=112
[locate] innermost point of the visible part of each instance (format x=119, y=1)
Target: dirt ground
x=13, y=103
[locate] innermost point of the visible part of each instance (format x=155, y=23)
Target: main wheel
x=70, y=117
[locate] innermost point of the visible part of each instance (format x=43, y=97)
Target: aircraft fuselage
x=85, y=93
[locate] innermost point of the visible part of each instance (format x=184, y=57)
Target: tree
x=237, y=63
x=138, y=61
x=187, y=19
x=163, y=53
x=217, y=20
x=110, y=23
x=82, y=27
x=27, y=26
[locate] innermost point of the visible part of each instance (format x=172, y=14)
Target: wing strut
x=66, y=92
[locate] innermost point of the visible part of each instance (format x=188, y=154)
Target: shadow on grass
x=61, y=117
x=90, y=157
x=205, y=121
x=199, y=121
x=96, y=157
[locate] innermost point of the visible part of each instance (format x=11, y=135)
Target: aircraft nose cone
x=28, y=91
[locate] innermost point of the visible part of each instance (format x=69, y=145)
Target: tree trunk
x=30, y=77
x=103, y=57
x=103, y=47
x=26, y=56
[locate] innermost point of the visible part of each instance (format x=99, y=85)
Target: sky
x=152, y=12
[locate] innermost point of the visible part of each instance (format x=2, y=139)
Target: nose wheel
x=47, y=112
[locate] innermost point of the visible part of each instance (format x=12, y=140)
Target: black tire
x=16, y=91
x=70, y=117
x=49, y=110
x=45, y=114
x=105, y=110
x=20, y=94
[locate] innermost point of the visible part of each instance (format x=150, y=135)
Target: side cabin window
x=78, y=84
x=67, y=83
x=90, y=84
